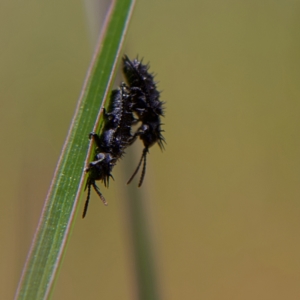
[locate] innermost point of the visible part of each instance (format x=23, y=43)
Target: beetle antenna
x=88, y=186
x=99, y=193
x=143, y=159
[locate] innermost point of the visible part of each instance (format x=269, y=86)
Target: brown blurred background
x=223, y=197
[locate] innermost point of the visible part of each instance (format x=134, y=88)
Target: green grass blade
x=56, y=221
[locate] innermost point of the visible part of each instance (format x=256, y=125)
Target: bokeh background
x=223, y=199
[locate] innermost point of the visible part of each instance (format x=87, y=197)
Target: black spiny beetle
x=111, y=143
x=146, y=105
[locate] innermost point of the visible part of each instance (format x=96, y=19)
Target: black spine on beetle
x=147, y=106
x=110, y=145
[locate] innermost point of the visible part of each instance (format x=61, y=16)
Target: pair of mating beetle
x=134, y=102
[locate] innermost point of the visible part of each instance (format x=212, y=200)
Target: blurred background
x=223, y=199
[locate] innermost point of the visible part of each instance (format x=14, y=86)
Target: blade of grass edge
x=56, y=221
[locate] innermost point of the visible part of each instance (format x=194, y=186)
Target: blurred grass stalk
x=49, y=244
x=142, y=246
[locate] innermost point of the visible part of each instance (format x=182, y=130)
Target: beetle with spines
x=147, y=106
x=140, y=98
x=112, y=142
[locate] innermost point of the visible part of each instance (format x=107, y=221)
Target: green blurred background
x=223, y=199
